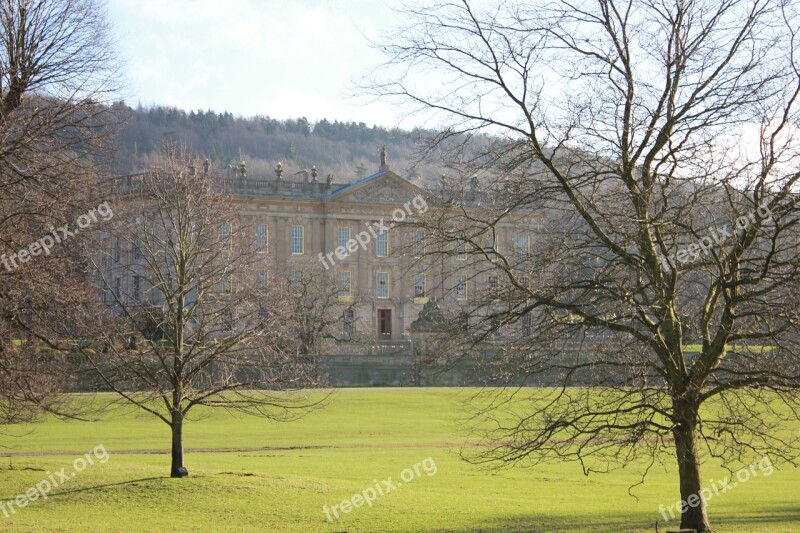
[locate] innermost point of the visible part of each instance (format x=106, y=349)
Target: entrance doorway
x=384, y=323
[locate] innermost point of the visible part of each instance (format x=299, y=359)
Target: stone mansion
x=347, y=231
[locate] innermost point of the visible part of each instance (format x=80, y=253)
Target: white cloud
x=284, y=59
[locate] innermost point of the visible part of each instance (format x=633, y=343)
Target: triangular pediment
x=385, y=187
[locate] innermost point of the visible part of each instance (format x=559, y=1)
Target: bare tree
x=658, y=141
x=322, y=307
x=190, y=319
x=57, y=78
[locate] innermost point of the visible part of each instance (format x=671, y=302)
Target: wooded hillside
x=348, y=150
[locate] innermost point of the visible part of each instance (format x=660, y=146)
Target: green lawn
x=277, y=477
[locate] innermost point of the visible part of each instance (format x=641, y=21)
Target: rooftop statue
x=384, y=157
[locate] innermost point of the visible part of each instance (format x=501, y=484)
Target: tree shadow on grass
x=131, y=482
x=785, y=515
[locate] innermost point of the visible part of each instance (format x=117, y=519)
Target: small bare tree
x=58, y=75
x=190, y=319
x=657, y=141
x=320, y=305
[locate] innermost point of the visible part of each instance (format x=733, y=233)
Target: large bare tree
x=649, y=150
x=189, y=319
x=58, y=76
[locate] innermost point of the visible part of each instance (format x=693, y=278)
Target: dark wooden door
x=385, y=323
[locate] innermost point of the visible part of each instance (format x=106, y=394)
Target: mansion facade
x=362, y=235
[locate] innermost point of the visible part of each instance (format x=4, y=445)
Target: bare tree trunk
x=178, y=469
x=693, y=512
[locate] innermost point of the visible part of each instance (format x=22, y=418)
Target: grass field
x=250, y=475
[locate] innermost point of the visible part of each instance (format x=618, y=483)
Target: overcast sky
x=285, y=59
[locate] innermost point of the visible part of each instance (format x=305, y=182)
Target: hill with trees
x=348, y=150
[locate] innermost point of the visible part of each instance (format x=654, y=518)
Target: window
x=262, y=279
x=117, y=288
x=117, y=250
x=225, y=234
x=527, y=325
x=491, y=249
x=492, y=283
x=419, y=285
x=523, y=247
x=137, y=250
x=419, y=244
x=382, y=285
x=349, y=318
x=226, y=319
x=382, y=244
x=297, y=240
x=344, y=283
x=344, y=238
x=106, y=296
x=295, y=276
x=262, y=241
x=461, y=287
x=104, y=256
x=461, y=254
x=224, y=286
x=137, y=288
